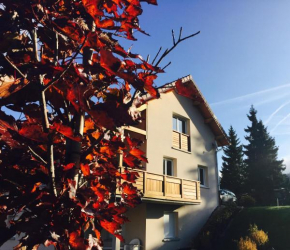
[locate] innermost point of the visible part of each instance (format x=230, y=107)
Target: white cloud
x=276, y=111
x=279, y=123
x=254, y=95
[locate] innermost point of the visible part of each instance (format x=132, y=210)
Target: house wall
x=136, y=228
x=159, y=145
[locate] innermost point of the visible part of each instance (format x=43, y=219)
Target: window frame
x=172, y=166
x=170, y=224
x=204, y=181
x=181, y=119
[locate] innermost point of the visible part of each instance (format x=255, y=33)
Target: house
x=180, y=182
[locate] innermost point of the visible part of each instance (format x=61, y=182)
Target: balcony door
x=168, y=168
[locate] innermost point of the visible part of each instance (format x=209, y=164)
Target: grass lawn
x=274, y=220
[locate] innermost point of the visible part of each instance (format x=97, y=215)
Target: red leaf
x=33, y=132
x=68, y=166
x=109, y=62
x=129, y=189
x=187, y=89
x=69, y=28
x=91, y=7
x=36, y=185
x=138, y=154
x=65, y=130
x=85, y=169
x=76, y=242
x=112, y=227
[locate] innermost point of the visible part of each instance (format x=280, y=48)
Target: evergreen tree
x=233, y=166
x=263, y=169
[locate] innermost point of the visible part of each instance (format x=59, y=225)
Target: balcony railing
x=180, y=141
x=169, y=188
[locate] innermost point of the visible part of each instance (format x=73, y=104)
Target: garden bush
x=258, y=236
x=247, y=200
x=246, y=244
x=215, y=226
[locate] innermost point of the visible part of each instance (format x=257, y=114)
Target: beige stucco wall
x=159, y=145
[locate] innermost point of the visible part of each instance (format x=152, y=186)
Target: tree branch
x=167, y=51
x=37, y=156
x=14, y=66
x=67, y=67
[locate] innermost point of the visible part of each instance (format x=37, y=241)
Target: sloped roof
x=185, y=86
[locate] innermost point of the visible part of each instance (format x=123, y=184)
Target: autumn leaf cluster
x=66, y=89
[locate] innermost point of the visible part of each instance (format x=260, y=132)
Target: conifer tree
x=263, y=169
x=233, y=166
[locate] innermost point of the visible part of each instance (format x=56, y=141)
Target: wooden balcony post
x=197, y=190
x=144, y=183
x=120, y=156
x=165, y=185
x=181, y=188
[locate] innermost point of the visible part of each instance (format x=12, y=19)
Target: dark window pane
x=169, y=168
x=183, y=127
x=201, y=176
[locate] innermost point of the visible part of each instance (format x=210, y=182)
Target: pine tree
x=233, y=166
x=263, y=169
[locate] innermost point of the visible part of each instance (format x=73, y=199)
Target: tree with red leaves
x=65, y=92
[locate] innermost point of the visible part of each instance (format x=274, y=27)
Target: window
x=180, y=138
x=170, y=225
x=202, y=176
x=168, y=168
x=179, y=125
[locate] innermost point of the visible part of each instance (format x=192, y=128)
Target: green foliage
x=273, y=220
x=263, y=169
x=247, y=200
x=215, y=226
x=233, y=166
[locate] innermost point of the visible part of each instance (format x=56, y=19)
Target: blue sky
x=241, y=57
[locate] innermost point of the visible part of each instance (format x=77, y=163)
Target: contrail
x=240, y=98
x=276, y=111
x=279, y=123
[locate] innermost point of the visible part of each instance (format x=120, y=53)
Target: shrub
x=246, y=244
x=215, y=226
x=247, y=200
x=258, y=236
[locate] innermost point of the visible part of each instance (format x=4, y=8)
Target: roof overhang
x=186, y=86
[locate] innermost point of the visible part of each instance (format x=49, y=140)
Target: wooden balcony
x=180, y=141
x=160, y=188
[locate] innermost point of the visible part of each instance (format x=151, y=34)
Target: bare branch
x=167, y=51
x=37, y=156
x=51, y=164
x=180, y=33
x=45, y=121
x=156, y=55
x=148, y=57
x=34, y=38
x=56, y=49
x=67, y=67
x=166, y=66
x=173, y=37
x=14, y=66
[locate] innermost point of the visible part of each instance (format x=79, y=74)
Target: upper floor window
x=179, y=125
x=180, y=139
